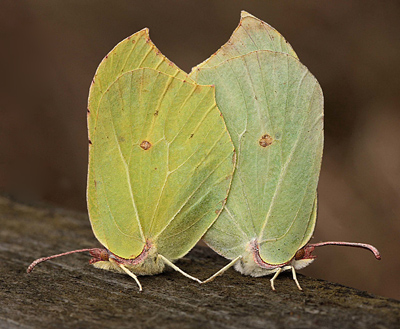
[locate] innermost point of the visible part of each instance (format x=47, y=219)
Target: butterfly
x=273, y=108
x=160, y=161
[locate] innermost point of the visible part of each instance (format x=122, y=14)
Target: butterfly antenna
x=348, y=244
x=43, y=259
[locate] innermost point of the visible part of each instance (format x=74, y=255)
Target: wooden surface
x=69, y=293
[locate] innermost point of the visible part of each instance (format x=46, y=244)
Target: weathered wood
x=69, y=293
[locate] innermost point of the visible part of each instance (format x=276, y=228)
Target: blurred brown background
x=51, y=48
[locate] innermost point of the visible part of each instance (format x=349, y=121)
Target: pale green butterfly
x=160, y=161
x=273, y=108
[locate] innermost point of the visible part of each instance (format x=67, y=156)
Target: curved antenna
x=348, y=244
x=43, y=259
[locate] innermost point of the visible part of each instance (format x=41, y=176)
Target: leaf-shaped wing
x=160, y=164
x=273, y=108
x=250, y=35
x=134, y=52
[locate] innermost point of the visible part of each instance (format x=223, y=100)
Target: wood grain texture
x=69, y=293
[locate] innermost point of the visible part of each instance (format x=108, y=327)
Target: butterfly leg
x=176, y=268
x=274, y=277
x=129, y=273
x=295, y=278
x=222, y=270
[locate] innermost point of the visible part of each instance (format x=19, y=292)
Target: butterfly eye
x=299, y=254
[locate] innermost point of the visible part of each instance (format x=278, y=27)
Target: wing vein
x=127, y=173
x=286, y=165
x=186, y=201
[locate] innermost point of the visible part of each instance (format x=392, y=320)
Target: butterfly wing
x=160, y=164
x=273, y=108
x=136, y=51
x=250, y=35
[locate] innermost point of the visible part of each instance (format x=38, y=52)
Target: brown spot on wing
x=145, y=145
x=265, y=140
